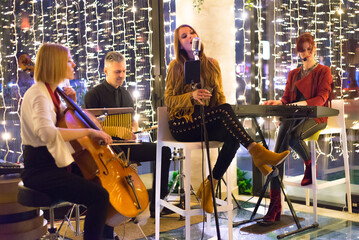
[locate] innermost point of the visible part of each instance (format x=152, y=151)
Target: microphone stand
x=205, y=136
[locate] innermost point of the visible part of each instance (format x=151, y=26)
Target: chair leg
x=158, y=187
x=314, y=180
x=229, y=205
x=346, y=169
x=307, y=197
x=315, y=204
x=77, y=217
x=187, y=187
x=52, y=228
x=52, y=233
x=67, y=218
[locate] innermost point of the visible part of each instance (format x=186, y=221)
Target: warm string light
x=243, y=82
x=332, y=26
x=290, y=24
x=169, y=23
x=330, y=35
x=151, y=113
x=57, y=22
x=275, y=54
x=86, y=46
x=113, y=26
x=7, y=135
x=340, y=12
x=32, y=27
x=97, y=41
x=259, y=77
x=90, y=29
x=134, y=49
x=169, y=17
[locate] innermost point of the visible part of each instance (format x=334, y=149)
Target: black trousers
x=295, y=139
x=42, y=174
x=146, y=152
x=222, y=125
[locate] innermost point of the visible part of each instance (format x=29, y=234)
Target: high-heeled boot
x=274, y=210
x=205, y=194
x=262, y=156
x=307, y=179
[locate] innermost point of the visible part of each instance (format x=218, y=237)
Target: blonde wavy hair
x=51, y=63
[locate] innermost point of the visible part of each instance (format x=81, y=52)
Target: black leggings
x=222, y=125
x=42, y=174
x=295, y=139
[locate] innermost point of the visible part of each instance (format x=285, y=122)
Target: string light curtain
x=90, y=29
x=243, y=51
x=334, y=25
x=169, y=16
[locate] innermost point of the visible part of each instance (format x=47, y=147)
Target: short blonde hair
x=51, y=63
x=113, y=56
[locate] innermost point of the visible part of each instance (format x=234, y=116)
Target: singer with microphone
x=310, y=84
x=184, y=99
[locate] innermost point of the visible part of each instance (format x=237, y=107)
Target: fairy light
x=275, y=54
x=340, y=44
x=3, y=122
x=134, y=49
x=332, y=25
x=169, y=7
x=66, y=23
x=90, y=29
x=150, y=55
x=242, y=42
x=245, y=54
x=116, y=25
x=86, y=43
x=6, y=136
x=290, y=27
x=260, y=47
x=56, y=21
x=113, y=26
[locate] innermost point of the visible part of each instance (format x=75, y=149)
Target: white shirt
x=38, y=124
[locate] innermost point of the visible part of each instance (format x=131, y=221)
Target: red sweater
x=315, y=87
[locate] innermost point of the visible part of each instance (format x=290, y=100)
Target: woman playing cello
x=46, y=155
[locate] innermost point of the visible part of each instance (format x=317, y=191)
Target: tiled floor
x=332, y=225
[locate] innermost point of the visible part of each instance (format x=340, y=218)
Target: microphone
x=304, y=59
x=196, y=47
x=196, y=44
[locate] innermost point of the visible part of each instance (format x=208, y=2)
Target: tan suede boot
x=262, y=156
x=205, y=194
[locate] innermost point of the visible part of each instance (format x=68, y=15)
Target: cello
x=97, y=162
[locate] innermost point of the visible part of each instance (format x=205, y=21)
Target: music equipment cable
x=196, y=47
x=206, y=141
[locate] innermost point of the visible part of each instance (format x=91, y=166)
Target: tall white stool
x=164, y=138
x=335, y=125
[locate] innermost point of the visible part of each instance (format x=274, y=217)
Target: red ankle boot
x=274, y=209
x=307, y=179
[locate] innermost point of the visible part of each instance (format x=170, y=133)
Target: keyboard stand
x=274, y=174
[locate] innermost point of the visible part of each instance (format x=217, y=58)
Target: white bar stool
x=335, y=125
x=164, y=138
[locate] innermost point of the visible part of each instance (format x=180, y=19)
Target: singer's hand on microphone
x=201, y=94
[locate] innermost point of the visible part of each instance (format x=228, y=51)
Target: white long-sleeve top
x=38, y=124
